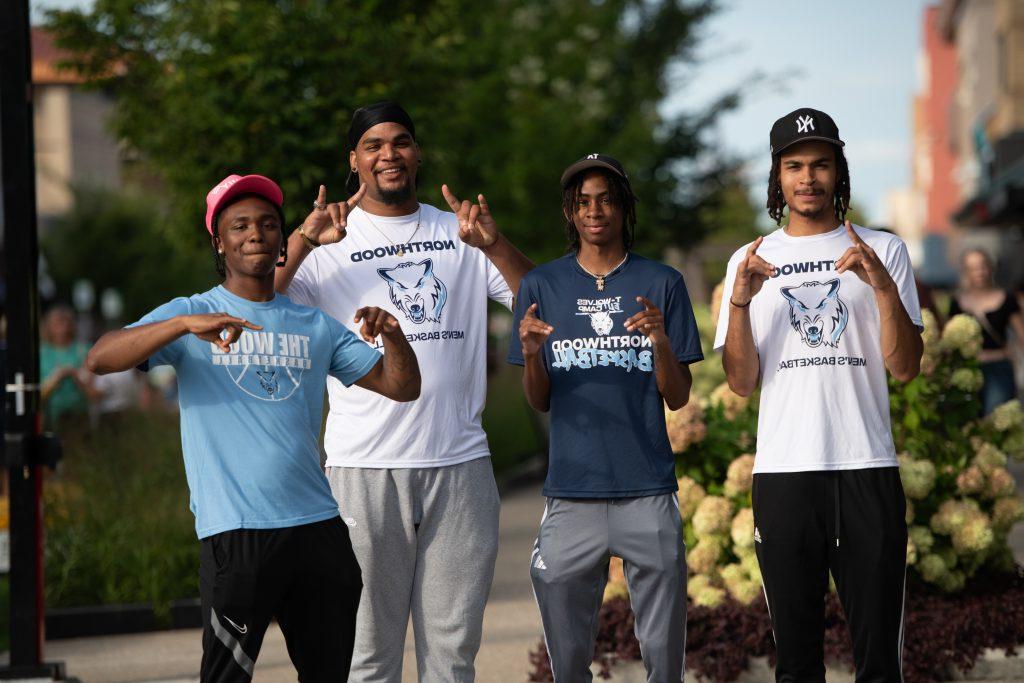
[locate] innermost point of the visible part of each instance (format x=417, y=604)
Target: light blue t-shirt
x=250, y=419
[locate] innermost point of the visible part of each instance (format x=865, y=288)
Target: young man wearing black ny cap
x=815, y=313
x=414, y=484
x=605, y=337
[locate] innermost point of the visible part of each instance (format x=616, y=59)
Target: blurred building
x=987, y=129
x=74, y=147
x=922, y=213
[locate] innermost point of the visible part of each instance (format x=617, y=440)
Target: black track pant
x=304, y=576
x=850, y=523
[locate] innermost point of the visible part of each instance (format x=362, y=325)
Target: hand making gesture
x=862, y=260
x=326, y=223
x=376, y=321
x=477, y=226
x=533, y=331
x=751, y=274
x=650, y=321
x=211, y=327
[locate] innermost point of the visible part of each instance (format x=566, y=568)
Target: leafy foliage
x=122, y=241
x=118, y=525
x=505, y=95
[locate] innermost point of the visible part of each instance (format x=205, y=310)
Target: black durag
x=365, y=118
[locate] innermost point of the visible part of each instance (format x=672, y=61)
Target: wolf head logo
x=601, y=322
x=817, y=312
x=268, y=381
x=415, y=290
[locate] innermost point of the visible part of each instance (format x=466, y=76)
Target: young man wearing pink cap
x=251, y=368
x=414, y=480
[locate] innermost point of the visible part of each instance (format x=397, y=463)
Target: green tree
x=122, y=241
x=505, y=95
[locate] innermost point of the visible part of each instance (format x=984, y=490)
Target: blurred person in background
x=997, y=310
x=67, y=386
x=116, y=394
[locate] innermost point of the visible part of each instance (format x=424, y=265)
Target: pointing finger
x=484, y=209
x=474, y=214
x=754, y=245
x=853, y=233
x=321, y=196
x=360, y=314
x=356, y=198
x=531, y=312
x=452, y=200
x=648, y=306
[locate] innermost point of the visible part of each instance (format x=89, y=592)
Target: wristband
x=737, y=305
x=307, y=239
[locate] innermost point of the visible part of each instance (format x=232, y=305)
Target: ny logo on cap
x=591, y=156
x=804, y=123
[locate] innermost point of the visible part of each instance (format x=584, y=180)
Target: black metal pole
x=21, y=380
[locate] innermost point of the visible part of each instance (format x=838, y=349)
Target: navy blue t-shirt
x=608, y=437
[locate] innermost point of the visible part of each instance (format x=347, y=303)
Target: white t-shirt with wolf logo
x=824, y=393
x=438, y=290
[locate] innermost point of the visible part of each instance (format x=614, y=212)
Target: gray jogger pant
x=569, y=570
x=426, y=540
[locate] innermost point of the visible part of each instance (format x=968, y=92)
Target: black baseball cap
x=594, y=161
x=803, y=124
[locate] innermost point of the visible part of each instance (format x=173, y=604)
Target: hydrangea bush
x=961, y=499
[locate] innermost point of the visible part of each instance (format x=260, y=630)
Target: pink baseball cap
x=235, y=185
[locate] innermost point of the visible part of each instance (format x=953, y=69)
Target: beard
x=813, y=215
x=818, y=214
x=396, y=196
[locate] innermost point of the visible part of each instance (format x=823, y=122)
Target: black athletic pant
x=848, y=522
x=306, y=577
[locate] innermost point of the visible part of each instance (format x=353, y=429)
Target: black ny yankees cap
x=803, y=124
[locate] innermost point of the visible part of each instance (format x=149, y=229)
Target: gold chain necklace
x=599, y=279
x=401, y=248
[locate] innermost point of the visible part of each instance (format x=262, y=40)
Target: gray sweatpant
x=426, y=540
x=569, y=569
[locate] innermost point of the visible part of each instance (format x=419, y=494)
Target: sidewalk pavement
x=511, y=626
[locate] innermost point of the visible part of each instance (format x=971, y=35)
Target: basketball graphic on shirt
x=817, y=313
x=416, y=291
x=266, y=365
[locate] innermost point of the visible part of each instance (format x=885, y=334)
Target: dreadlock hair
x=621, y=195
x=218, y=258
x=840, y=197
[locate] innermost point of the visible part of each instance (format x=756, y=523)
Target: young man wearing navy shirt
x=251, y=385
x=604, y=338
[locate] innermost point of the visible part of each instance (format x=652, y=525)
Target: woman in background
x=997, y=310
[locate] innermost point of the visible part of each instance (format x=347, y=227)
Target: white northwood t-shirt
x=438, y=292
x=824, y=394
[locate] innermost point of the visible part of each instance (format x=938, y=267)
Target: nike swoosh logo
x=243, y=629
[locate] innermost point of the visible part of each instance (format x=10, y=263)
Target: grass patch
x=118, y=526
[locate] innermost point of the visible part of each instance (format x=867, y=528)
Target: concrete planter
x=993, y=667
